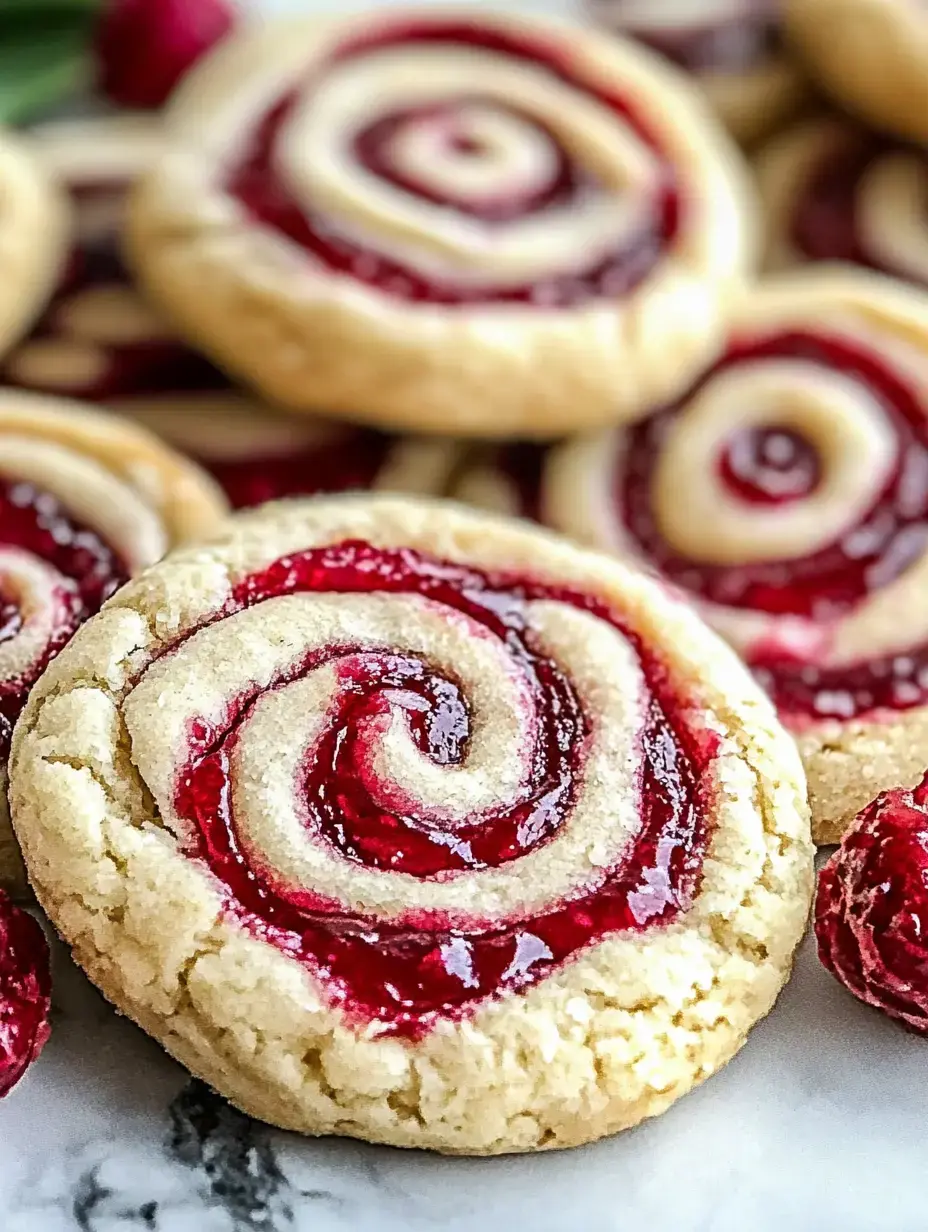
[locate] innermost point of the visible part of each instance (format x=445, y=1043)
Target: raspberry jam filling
x=734, y=44
x=827, y=584
x=25, y=993
x=134, y=368
x=267, y=198
x=36, y=523
x=349, y=460
x=404, y=975
x=824, y=224
x=871, y=909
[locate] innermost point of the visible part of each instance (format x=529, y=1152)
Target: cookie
x=733, y=48
x=99, y=340
x=787, y=494
x=871, y=56
x=86, y=501
x=394, y=820
x=834, y=191
x=468, y=224
x=33, y=238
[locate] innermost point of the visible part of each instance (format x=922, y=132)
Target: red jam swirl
x=734, y=44
x=25, y=993
x=824, y=225
x=405, y=975
x=871, y=909
x=827, y=584
x=36, y=522
x=256, y=184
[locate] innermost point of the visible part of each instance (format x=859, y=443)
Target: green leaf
x=44, y=55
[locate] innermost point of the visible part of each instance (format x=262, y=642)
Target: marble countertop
x=817, y=1125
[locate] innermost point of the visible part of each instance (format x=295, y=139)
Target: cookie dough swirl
x=788, y=493
x=835, y=192
x=427, y=779
x=85, y=502
x=418, y=163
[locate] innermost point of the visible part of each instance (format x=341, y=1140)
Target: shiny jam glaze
x=36, y=522
x=730, y=45
x=255, y=183
x=824, y=223
x=25, y=993
x=871, y=910
x=403, y=976
x=891, y=536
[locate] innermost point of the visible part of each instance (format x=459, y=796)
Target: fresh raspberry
x=144, y=47
x=871, y=910
x=25, y=993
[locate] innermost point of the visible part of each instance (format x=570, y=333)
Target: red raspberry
x=871, y=910
x=25, y=993
x=144, y=47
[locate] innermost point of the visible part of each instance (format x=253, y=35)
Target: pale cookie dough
x=871, y=56
x=787, y=494
x=733, y=48
x=33, y=238
x=98, y=340
x=462, y=234
x=835, y=191
x=430, y=829
x=86, y=500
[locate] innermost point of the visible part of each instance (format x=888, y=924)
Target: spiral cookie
x=99, y=340
x=393, y=820
x=870, y=55
x=85, y=501
x=788, y=493
x=733, y=48
x=834, y=191
x=33, y=238
x=479, y=225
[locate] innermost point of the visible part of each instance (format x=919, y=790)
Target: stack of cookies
x=388, y=816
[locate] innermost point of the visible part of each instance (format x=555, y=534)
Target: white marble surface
x=818, y=1125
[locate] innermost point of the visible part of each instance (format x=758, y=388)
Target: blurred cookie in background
x=734, y=48
x=99, y=340
x=258, y=455
x=835, y=191
x=33, y=237
x=478, y=224
x=870, y=56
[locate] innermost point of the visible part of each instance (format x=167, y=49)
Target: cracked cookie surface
x=393, y=820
